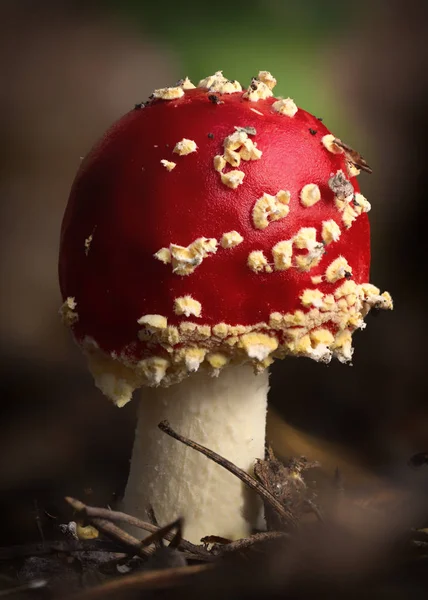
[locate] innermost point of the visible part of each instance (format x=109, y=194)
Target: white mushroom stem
x=226, y=414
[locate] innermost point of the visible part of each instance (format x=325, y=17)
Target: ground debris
x=314, y=542
x=286, y=482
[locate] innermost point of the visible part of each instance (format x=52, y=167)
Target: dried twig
x=39, y=521
x=110, y=530
x=138, y=582
x=315, y=509
x=215, y=539
x=353, y=156
x=267, y=497
x=63, y=546
x=36, y=584
x=245, y=543
x=105, y=513
x=285, y=482
x=153, y=520
x=158, y=535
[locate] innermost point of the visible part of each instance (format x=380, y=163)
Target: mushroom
x=210, y=231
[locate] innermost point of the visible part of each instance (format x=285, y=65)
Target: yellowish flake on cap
x=328, y=303
x=258, y=263
x=186, y=305
x=238, y=329
x=302, y=345
x=249, y=150
x=349, y=214
x=219, y=83
x=322, y=336
x=186, y=84
x=329, y=143
x=169, y=165
x=258, y=90
x=306, y=239
x=192, y=358
x=316, y=279
x=282, y=254
x=386, y=301
x=153, y=369
x=170, y=336
x=344, y=196
x=285, y=106
x=232, y=341
x=276, y=320
x=203, y=331
x=342, y=304
x=369, y=289
x=164, y=255
x=217, y=359
x=351, y=299
x=231, y=239
x=343, y=346
x=267, y=78
x=338, y=269
x=233, y=178
x=221, y=330
x=258, y=345
x=187, y=328
x=219, y=163
x=311, y=298
x=347, y=287
x=377, y=300
x=294, y=333
x=232, y=157
x=168, y=93
x=306, y=262
x=192, y=332
x=184, y=147
x=361, y=204
x=310, y=195
x=319, y=352
x=239, y=146
x=270, y=208
x=153, y=322
x=68, y=313
x=88, y=242
x=235, y=140
x=186, y=259
x=330, y=231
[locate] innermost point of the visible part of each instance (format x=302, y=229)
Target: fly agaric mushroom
x=209, y=232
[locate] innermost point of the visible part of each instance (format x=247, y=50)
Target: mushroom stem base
x=226, y=414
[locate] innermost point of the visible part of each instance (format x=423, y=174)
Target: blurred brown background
x=68, y=69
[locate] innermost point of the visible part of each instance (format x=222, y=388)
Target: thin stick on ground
x=161, y=532
x=38, y=521
x=36, y=584
x=92, y=512
x=246, y=543
x=152, y=518
x=139, y=582
x=63, y=546
x=283, y=513
x=110, y=530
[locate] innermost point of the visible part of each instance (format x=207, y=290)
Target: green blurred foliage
x=293, y=40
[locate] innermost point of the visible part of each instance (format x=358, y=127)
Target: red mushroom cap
x=209, y=226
